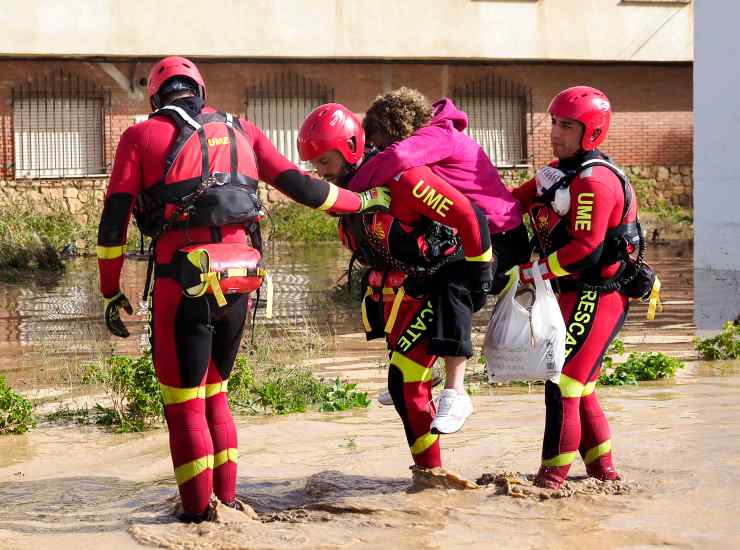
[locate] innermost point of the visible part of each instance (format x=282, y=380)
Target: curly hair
x=397, y=114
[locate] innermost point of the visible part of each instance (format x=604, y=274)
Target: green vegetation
x=726, y=345
x=34, y=236
x=666, y=215
x=617, y=346
x=294, y=222
x=16, y=412
x=271, y=379
x=282, y=389
x=29, y=238
x=638, y=367
x=132, y=387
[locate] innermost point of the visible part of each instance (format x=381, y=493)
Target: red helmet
x=173, y=66
x=331, y=126
x=588, y=106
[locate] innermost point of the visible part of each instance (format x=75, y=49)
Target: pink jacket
x=453, y=156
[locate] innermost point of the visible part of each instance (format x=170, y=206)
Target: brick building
x=64, y=102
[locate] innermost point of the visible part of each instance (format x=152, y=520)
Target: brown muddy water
x=341, y=480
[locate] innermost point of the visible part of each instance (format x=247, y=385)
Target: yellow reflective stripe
x=111, y=252
x=227, y=455
x=654, y=300
x=218, y=387
x=589, y=388
x=394, y=311
x=173, y=395
x=188, y=471
x=411, y=370
x=563, y=459
x=423, y=443
x=363, y=309
x=196, y=258
x=595, y=452
x=211, y=279
x=555, y=267
x=569, y=387
x=487, y=256
x=331, y=198
x=387, y=290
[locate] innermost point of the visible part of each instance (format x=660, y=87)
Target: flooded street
x=345, y=485
x=341, y=480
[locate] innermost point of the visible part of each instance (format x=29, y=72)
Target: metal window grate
x=497, y=112
x=278, y=107
x=59, y=127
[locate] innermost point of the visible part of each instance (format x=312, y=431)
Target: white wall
x=717, y=162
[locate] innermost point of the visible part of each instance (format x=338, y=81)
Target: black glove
x=113, y=317
x=480, y=281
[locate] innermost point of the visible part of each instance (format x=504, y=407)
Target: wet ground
x=341, y=480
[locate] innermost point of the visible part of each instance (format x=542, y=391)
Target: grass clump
x=284, y=389
x=131, y=385
x=666, y=214
x=16, y=412
x=638, y=367
x=294, y=222
x=726, y=345
x=31, y=239
x=271, y=379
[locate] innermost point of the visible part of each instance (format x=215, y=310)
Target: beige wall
x=593, y=30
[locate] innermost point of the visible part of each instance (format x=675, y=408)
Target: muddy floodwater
x=341, y=480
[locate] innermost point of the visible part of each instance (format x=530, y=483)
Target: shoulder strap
x=623, y=179
x=186, y=125
x=178, y=115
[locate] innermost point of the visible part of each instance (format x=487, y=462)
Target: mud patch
x=518, y=485
x=348, y=502
x=158, y=525
x=438, y=478
x=326, y=495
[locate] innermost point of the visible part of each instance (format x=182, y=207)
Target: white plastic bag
x=522, y=343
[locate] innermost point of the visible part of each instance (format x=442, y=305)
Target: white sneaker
x=452, y=410
x=385, y=398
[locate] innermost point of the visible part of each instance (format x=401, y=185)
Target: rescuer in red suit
x=186, y=148
x=397, y=301
x=583, y=212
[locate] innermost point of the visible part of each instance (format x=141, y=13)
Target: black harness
x=210, y=199
x=620, y=243
x=207, y=199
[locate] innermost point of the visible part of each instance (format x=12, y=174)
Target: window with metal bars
x=498, y=111
x=59, y=127
x=279, y=105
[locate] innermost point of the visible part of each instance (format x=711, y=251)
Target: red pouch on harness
x=220, y=268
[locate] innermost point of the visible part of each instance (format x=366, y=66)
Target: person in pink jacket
x=410, y=133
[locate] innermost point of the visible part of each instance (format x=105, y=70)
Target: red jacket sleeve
x=123, y=188
x=285, y=176
x=420, y=191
